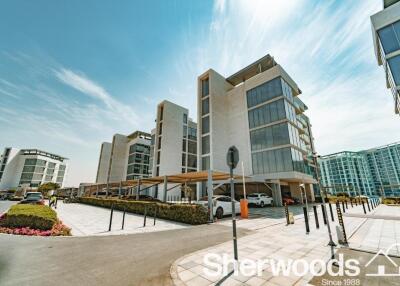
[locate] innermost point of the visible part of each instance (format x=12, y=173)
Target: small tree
x=46, y=187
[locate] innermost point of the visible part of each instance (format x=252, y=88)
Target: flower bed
x=36, y=220
x=186, y=213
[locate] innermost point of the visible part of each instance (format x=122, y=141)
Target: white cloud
x=83, y=84
x=326, y=46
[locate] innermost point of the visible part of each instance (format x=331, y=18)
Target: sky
x=73, y=73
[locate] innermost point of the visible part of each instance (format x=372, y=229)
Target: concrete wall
x=104, y=163
x=119, y=154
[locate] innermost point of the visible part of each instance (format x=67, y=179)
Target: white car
x=259, y=199
x=221, y=205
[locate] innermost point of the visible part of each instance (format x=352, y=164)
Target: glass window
x=161, y=112
x=205, y=163
x=264, y=92
x=394, y=64
x=160, y=129
x=185, y=130
x=205, y=125
x=388, y=39
x=205, y=144
x=192, y=161
x=192, y=147
x=159, y=142
x=204, y=87
x=184, y=145
x=185, y=118
x=30, y=162
x=205, y=106
x=183, y=159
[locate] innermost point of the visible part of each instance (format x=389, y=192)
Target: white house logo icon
x=382, y=268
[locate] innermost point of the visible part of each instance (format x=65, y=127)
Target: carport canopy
x=184, y=178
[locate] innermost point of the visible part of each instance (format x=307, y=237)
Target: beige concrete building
x=386, y=39
x=259, y=111
x=175, y=145
x=126, y=158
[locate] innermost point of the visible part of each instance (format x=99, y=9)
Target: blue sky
x=73, y=73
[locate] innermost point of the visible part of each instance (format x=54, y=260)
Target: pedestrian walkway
x=85, y=220
x=275, y=241
x=380, y=231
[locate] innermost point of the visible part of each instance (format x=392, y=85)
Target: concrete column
x=210, y=194
x=165, y=189
x=310, y=192
x=276, y=194
x=295, y=191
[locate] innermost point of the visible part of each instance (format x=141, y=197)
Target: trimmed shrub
x=186, y=213
x=31, y=216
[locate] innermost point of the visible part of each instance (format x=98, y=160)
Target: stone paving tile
x=255, y=281
x=186, y=275
x=198, y=281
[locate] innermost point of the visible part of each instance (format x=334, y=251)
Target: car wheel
x=262, y=204
x=219, y=213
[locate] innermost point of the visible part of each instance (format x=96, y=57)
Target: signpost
x=232, y=159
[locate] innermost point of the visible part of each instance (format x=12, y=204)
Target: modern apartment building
x=384, y=165
x=374, y=171
x=174, y=141
x=386, y=38
x=29, y=168
x=126, y=158
x=258, y=110
x=346, y=172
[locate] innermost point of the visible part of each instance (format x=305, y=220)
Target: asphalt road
x=138, y=259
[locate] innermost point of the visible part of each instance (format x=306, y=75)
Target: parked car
x=259, y=199
x=288, y=201
x=33, y=198
x=221, y=205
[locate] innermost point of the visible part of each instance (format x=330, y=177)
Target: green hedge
x=32, y=216
x=186, y=213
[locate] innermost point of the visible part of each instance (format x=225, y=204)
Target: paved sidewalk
x=87, y=220
x=274, y=241
x=379, y=232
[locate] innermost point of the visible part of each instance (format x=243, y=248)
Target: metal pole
x=244, y=183
x=287, y=214
x=330, y=243
x=331, y=211
x=344, y=211
x=306, y=220
x=365, y=212
x=324, y=213
x=235, y=250
x=145, y=216
x=369, y=209
x=155, y=215
x=165, y=189
x=138, y=190
x=111, y=217
x=316, y=216
x=123, y=218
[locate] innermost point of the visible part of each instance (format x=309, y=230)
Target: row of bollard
x=340, y=209
x=123, y=217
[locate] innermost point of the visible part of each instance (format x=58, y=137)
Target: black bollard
x=306, y=220
x=363, y=207
x=316, y=216
x=372, y=204
x=111, y=217
x=369, y=209
x=145, y=216
x=356, y=201
x=324, y=213
x=344, y=211
x=123, y=218
x=347, y=207
x=155, y=215
x=331, y=211
x=351, y=202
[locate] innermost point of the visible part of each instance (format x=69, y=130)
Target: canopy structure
x=179, y=179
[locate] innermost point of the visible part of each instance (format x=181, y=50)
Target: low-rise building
x=259, y=111
x=29, y=168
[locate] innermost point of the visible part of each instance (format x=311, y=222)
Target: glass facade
x=272, y=120
x=205, y=144
x=38, y=171
x=138, y=161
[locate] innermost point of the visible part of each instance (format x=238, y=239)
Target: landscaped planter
x=185, y=213
x=36, y=220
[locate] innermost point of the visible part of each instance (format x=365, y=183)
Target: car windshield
x=34, y=196
x=252, y=196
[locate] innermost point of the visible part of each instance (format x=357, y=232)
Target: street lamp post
x=322, y=191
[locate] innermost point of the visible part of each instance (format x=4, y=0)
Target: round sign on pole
x=232, y=157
